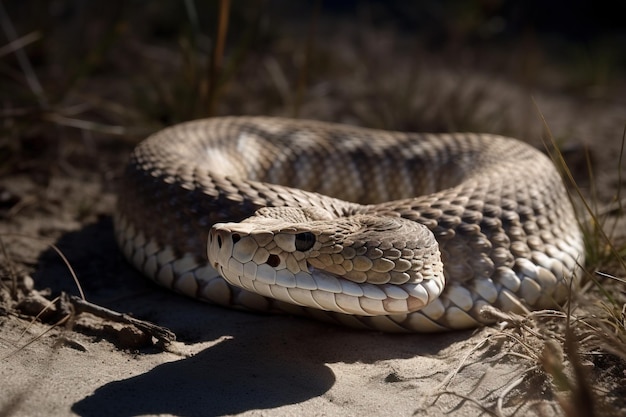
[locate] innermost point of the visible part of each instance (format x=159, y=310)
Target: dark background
x=154, y=56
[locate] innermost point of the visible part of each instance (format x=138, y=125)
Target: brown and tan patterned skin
x=496, y=208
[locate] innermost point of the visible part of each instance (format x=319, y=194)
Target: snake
x=386, y=230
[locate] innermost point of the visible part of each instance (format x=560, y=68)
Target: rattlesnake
x=388, y=230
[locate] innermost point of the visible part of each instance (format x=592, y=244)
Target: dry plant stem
x=618, y=196
x=46, y=308
x=278, y=77
x=19, y=43
x=581, y=400
x=568, y=315
x=162, y=334
x=510, y=387
x=560, y=161
x=304, y=70
x=86, y=125
x=604, y=275
x=616, y=207
x=58, y=251
x=461, y=364
x=531, y=355
x=519, y=321
x=36, y=338
x=218, y=54
x=467, y=397
x=222, y=30
x=473, y=401
x=11, y=267
x=78, y=305
x=192, y=14
x=22, y=58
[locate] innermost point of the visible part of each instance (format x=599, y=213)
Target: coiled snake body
x=387, y=230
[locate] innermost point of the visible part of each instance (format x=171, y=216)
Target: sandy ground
x=251, y=365
x=235, y=363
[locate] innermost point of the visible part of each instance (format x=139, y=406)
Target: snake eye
x=305, y=241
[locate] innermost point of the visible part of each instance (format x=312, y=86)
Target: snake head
x=358, y=264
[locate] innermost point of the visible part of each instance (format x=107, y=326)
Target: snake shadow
x=271, y=363
x=231, y=377
x=253, y=361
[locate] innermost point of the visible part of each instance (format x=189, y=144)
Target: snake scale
x=368, y=228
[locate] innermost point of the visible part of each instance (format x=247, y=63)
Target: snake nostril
x=236, y=238
x=273, y=261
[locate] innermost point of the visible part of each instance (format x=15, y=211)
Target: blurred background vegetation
x=125, y=68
